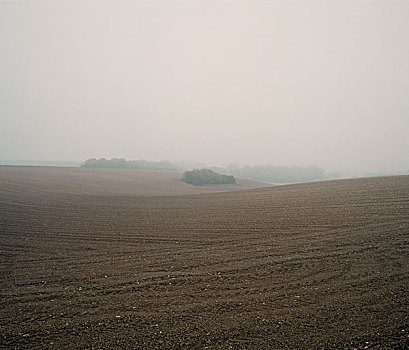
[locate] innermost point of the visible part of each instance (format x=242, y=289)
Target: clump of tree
x=207, y=177
x=122, y=163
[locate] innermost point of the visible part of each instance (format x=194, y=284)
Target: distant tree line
x=122, y=163
x=277, y=174
x=264, y=173
x=207, y=177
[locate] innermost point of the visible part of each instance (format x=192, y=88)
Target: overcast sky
x=283, y=82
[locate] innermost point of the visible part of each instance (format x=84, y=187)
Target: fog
x=292, y=82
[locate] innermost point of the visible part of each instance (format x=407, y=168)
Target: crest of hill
x=103, y=181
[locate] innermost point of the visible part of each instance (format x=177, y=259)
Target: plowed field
x=309, y=266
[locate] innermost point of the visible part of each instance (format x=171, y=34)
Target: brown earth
x=106, y=182
x=309, y=266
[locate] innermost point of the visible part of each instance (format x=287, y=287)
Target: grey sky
x=282, y=82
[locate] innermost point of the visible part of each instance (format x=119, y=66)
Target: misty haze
x=204, y=174
x=249, y=82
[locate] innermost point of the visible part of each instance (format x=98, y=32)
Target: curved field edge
x=107, y=182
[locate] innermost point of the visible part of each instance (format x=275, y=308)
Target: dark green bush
x=207, y=177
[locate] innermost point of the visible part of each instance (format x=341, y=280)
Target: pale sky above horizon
x=294, y=82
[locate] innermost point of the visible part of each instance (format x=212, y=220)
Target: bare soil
x=310, y=266
x=106, y=182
